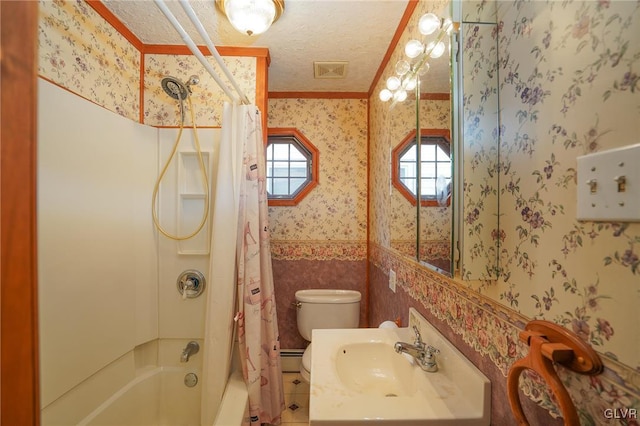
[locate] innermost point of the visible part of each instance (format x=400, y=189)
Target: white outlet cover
x=607, y=202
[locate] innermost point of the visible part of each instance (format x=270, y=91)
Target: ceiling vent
x=333, y=69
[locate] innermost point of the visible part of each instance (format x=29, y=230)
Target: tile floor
x=296, y=398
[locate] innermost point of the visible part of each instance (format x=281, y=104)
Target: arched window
x=292, y=166
x=435, y=169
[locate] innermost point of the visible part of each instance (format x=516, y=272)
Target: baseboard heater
x=291, y=359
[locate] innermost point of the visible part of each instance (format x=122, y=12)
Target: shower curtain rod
x=194, y=49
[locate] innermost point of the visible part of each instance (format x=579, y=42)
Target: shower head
x=175, y=88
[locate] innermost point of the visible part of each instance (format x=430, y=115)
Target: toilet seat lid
x=306, y=358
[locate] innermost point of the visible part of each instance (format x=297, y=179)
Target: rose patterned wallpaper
x=207, y=96
x=567, y=86
x=82, y=52
x=335, y=211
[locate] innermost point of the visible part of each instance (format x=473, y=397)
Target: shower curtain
x=258, y=336
x=241, y=255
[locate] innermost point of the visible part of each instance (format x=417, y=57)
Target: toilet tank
x=325, y=308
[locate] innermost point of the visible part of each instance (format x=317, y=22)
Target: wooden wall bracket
x=548, y=343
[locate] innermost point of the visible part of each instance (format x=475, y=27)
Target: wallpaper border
x=409, y=276
x=318, y=250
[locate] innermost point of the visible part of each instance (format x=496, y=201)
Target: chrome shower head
x=175, y=88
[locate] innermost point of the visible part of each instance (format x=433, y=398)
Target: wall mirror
x=455, y=93
x=422, y=201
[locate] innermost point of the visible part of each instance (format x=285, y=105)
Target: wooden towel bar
x=548, y=343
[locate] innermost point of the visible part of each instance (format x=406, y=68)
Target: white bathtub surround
x=358, y=378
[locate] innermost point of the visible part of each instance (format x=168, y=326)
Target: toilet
x=324, y=308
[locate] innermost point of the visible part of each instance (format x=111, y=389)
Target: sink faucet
x=191, y=348
x=424, y=354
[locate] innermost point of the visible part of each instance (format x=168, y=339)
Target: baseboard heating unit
x=291, y=359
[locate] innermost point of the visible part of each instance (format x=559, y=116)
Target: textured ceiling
x=356, y=31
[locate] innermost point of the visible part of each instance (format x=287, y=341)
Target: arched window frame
x=399, y=150
x=313, y=168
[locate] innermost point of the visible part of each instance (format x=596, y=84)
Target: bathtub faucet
x=424, y=354
x=191, y=348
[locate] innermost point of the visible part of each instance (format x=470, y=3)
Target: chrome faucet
x=192, y=348
x=424, y=354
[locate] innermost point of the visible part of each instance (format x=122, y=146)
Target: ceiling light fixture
x=251, y=17
x=418, y=53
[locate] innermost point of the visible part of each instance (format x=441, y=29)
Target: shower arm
x=196, y=52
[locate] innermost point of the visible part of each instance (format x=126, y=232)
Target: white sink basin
x=374, y=368
x=357, y=378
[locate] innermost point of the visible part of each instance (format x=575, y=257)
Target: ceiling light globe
x=385, y=95
x=428, y=23
x=436, y=50
x=402, y=67
x=447, y=25
x=424, y=69
x=413, y=48
x=250, y=17
x=409, y=83
x=400, y=96
x=393, y=83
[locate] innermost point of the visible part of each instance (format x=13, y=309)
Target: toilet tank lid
x=328, y=296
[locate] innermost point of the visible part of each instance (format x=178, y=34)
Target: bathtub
x=160, y=397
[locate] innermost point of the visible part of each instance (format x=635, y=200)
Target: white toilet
x=324, y=309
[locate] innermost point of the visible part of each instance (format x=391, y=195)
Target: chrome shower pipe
x=194, y=49
x=212, y=48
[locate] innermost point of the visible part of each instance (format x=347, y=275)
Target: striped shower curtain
x=258, y=336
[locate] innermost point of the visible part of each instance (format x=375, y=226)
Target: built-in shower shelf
x=192, y=202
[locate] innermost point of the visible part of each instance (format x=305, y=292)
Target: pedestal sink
x=358, y=378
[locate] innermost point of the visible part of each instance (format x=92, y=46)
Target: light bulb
x=413, y=48
x=250, y=17
x=385, y=95
x=447, y=25
x=409, y=83
x=400, y=96
x=402, y=67
x=424, y=69
x=393, y=83
x=436, y=50
x=428, y=23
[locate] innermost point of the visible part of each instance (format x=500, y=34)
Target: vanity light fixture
x=251, y=17
x=417, y=54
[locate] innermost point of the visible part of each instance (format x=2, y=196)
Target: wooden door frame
x=19, y=378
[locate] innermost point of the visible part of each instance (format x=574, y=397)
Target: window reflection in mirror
x=435, y=172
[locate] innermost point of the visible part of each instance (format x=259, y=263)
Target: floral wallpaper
x=480, y=233
x=567, y=86
x=335, y=210
x=207, y=97
x=82, y=52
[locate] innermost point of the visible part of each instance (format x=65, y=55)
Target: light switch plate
x=609, y=185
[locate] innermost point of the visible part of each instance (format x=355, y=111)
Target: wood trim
x=142, y=87
x=318, y=95
x=262, y=96
x=315, y=165
x=404, y=21
x=179, y=49
x=19, y=380
x=116, y=23
x=435, y=96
